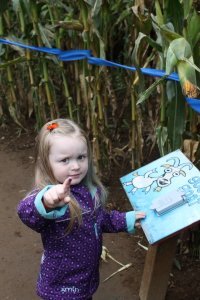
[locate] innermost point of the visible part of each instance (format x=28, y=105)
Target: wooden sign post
x=157, y=268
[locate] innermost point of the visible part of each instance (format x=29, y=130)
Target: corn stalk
x=176, y=55
x=118, y=108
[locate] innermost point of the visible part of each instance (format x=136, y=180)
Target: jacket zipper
x=96, y=230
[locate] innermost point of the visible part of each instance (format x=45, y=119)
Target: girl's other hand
x=138, y=216
x=58, y=195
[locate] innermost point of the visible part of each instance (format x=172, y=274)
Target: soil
x=21, y=248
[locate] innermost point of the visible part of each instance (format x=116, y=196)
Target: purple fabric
x=70, y=263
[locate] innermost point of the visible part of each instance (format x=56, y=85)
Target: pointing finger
x=66, y=185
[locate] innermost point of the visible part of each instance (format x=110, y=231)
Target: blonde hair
x=43, y=171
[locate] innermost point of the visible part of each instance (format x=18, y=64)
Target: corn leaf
x=12, y=62
x=71, y=24
x=190, y=63
x=150, y=41
x=13, y=115
x=161, y=137
x=175, y=113
x=179, y=50
x=187, y=4
x=96, y=8
x=159, y=15
x=174, y=11
x=46, y=35
x=171, y=60
x=169, y=34
x=143, y=96
x=193, y=29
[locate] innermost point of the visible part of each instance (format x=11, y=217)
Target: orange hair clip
x=52, y=126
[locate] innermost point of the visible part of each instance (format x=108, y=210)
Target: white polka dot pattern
x=70, y=263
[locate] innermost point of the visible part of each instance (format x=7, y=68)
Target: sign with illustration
x=168, y=190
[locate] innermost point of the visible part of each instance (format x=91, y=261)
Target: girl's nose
x=75, y=165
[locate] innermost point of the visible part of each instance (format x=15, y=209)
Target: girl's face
x=68, y=157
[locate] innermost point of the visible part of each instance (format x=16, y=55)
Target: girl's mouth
x=74, y=176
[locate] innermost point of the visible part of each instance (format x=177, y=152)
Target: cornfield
x=126, y=113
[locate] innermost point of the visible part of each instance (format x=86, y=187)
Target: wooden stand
x=157, y=268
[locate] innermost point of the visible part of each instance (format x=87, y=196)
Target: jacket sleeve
x=32, y=212
x=116, y=221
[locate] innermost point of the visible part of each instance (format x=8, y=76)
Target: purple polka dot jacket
x=70, y=263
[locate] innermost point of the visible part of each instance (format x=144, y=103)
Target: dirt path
x=21, y=248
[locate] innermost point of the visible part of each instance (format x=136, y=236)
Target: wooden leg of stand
x=157, y=268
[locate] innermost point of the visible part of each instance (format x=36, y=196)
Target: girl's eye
x=65, y=160
x=81, y=157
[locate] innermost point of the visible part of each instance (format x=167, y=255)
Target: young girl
x=66, y=208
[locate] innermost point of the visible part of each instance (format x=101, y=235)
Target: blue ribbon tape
x=72, y=55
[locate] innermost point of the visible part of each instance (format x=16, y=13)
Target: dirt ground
x=21, y=248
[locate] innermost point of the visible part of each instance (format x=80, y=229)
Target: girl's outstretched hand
x=138, y=216
x=58, y=195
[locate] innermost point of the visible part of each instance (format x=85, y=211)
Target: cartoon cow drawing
x=170, y=170
x=142, y=181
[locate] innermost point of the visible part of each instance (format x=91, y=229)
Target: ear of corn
x=179, y=55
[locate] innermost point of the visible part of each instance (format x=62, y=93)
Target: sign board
x=168, y=190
